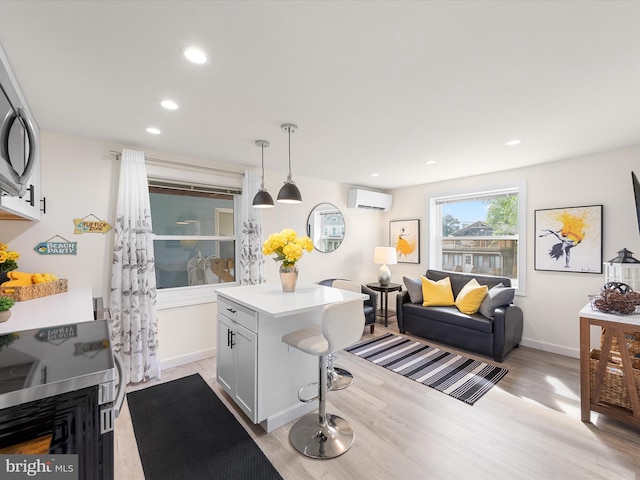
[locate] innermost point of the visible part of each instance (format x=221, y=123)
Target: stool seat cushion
x=310, y=340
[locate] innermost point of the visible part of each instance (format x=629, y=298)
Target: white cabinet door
x=225, y=363
x=243, y=343
x=236, y=359
x=27, y=206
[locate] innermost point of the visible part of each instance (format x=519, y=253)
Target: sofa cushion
x=497, y=296
x=414, y=287
x=450, y=316
x=471, y=296
x=437, y=294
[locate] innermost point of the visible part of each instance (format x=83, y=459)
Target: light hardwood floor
x=526, y=427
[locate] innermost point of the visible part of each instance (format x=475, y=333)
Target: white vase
x=4, y=315
x=288, y=277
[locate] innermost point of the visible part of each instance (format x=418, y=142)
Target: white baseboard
x=184, y=359
x=551, y=347
x=288, y=415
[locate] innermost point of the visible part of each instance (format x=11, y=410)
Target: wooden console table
x=590, y=397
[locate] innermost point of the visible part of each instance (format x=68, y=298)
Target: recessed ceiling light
x=515, y=141
x=153, y=131
x=430, y=162
x=375, y=174
x=195, y=55
x=169, y=104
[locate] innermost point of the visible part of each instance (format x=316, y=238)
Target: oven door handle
x=117, y=403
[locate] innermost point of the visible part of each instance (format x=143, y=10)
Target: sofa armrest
x=401, y=298
x=507, y=330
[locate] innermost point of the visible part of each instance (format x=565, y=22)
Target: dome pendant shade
x=289, y=193
x=262, y=199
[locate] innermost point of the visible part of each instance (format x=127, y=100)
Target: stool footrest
x=307, y=400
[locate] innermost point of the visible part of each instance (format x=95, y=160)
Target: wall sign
x=82, y=225
x=50, y=247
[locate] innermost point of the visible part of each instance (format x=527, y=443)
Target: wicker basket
x=632, y=338
x=29, y=292
x=628, y=306
x=614, y=385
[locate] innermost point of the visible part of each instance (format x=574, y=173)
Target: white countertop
x=270, y=299
x=589, y=312
x=74, y=306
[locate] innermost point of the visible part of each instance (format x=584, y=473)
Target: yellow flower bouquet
x=287, y=247
x=7, y=258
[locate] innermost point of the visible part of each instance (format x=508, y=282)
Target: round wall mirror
x=325, y=227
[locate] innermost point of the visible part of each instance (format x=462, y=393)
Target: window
x=194, y=231
x=479, y=232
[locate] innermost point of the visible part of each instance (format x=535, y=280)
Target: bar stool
x=323, y=435
x=340, y=378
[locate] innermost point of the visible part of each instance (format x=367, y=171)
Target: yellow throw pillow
x=436, y=294
x=470, y=297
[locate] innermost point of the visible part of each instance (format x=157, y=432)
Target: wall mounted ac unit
x=357, y=198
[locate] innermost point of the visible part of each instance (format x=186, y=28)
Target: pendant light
x=289, y=193
x=263, y=198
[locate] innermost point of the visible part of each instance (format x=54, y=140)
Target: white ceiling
x=375, y=87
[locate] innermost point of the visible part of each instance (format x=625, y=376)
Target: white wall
x=353, y=259
x=553, y=299
x=79, y=177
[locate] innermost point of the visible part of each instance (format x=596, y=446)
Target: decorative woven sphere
x=622, y=288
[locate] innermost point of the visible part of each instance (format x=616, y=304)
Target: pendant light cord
x=262, y=177
x=289, y=130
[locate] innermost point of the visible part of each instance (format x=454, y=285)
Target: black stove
x=40, y=363
x=58, y=383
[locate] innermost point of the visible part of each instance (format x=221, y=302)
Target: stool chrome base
x=339, y=378
x=315, y=440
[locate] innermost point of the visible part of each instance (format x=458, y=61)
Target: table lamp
x=383, y=256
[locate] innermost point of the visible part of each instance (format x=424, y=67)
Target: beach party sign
x=57, y=247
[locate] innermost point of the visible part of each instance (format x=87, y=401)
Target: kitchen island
x=260, y=373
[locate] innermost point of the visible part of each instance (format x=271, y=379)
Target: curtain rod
x=178, y=164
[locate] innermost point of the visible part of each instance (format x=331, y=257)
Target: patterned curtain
x=251, y=270
x=134, y=324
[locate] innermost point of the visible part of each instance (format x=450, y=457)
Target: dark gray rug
x=184, y=431
x=457, y=376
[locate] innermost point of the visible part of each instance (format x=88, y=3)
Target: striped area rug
x=457, y=376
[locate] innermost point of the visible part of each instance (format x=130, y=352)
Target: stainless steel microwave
x=18, y=135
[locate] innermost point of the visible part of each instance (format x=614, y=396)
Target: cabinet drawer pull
x=228, y=337
x=232, y=342
x=231, y=310
x=31, y=199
